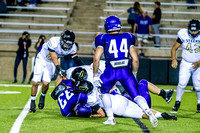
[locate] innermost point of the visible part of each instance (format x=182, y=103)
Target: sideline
x=18, y=122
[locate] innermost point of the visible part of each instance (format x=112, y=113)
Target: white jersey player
x=85, y=71
x=189, y=40
x=127, y=107
x=130, y=109
x=47, y=62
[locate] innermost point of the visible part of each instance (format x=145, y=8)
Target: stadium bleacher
x=52, y=16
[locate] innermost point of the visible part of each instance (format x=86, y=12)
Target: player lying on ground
x=72, y=100
x=72, y=96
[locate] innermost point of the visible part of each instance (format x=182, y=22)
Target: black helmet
x=83, y=86
x=193, y=26
x=78, y=74
x=67, y=37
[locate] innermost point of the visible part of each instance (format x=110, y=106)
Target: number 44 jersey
x=116, y=47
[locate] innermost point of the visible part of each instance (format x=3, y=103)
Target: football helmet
x=112, y=23
x=83, y=110
x=83, y=86
x=67, y=39
x=78, y=74
x=193, y=26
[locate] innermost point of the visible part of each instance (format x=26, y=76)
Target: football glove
x=60, y=71
x=97, y=81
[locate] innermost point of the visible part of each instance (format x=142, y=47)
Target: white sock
x=158, y=115
x=198, y=97
x=33, y=98
x=107, y=103
x=141, y=102
x=179, y=93
x=43, y=94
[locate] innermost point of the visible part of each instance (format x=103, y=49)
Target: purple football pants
x=124, y=76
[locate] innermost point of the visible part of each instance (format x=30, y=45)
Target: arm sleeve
x=179, y=40
x=98, y=40
x=77, y=61
x=95, y=108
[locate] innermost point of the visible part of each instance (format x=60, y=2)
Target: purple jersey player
x=72, y=98
x=117, y=47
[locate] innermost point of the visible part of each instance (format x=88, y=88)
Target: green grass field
x=50, y=119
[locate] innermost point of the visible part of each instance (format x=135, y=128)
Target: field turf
x=50, y=120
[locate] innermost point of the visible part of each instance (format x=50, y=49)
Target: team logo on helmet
x=83, y=86
x=78, y=74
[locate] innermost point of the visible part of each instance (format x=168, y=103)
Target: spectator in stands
x=32, y=3
x=3, y=8
x=133, y=11
x=156, y=22
x=22, y=54
x=11, y=2
x=38, y=47
x=22, y=2
x=143, y=26
x=191, y=2
x=67, y=61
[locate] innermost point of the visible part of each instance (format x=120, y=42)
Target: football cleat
x=32, y=107
x=169, y=95
x=110, y=122
x=192, y=89
x=167, y=116
x=176, y=106
x=41, y=102
x=198, y=108
x=152, y=117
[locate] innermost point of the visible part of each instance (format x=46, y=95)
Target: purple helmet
x=82, y=110
x=112, y=23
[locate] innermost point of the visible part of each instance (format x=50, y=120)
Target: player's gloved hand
x=96, y=80
x=60, y=71
x=135, y=74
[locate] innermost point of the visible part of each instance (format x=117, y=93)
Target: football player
x=72, y=97
x=47, y=63
x=125, y=107
x=117, y=47
x=121, y=105
x=189, y=40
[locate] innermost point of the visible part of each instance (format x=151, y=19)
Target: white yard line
x=10, y=92
x=18, y=122
x=8, y=85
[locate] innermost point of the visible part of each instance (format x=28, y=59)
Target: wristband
x=58, y=67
